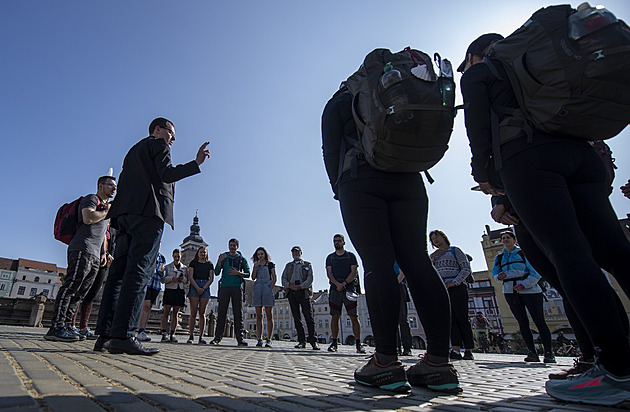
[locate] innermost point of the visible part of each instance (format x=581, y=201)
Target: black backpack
x=415, y=144
x=578, y=88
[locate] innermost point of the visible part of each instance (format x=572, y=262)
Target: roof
x=35, y=264
x=8, y=264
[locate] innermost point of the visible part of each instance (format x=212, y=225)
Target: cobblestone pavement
x=38, y=375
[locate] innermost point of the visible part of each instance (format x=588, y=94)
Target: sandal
x=190, y=340
x=202, y=341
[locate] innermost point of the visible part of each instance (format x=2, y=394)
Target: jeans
x=82, y=269
x=227, y=294
x=137, y=247
x=300, y=299
x=386, y=218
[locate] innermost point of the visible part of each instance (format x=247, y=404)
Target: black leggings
x=386, y=218
x=544, y=267
x=520, y=304
x=461, y=331
x=560, y=193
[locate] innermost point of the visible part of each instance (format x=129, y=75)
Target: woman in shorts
x=200, y=275
x=264, y=276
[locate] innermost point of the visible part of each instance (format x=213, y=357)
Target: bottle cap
x=388, y=67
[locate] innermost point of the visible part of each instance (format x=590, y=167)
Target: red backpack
x=67, y=221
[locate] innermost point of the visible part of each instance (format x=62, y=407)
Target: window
x=36, y=279
x=45, y=292
x=23, y=277
x=49, y=280
x=3, y=286
x=21, y=290
x=326, y=324
x=413, y=322
x=5, y=276
x=33, y=292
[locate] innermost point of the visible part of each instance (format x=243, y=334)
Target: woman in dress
x=453, y=266
x=264, y=276
x=200, y=276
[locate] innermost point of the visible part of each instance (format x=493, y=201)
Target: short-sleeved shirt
x=89, y=238
x=201, y=270
x=341, y=265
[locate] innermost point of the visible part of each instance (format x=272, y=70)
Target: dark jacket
x=146, y=186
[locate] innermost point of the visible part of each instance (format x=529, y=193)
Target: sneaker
x=202, y=341
x=532, y=357
x=437, y=377
x=300, y=345
x=191, y=339
x=314, y=345
x=260, y=343
x=214, y=342
x=267, y=343
x=241, y=343
x=468, y=355
x=579, y=367
x=142, y=337
x=87, y=333
x=455, y=355
x=390, y=377
x=165, y=338
x=61, y=334
x=360, y=348
x=173, y=339
x=406, y=352
x=549, y=358
x=596, y=386
x=333, y=347
x=76, y=331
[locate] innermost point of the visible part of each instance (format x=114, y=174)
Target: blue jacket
x=514, y=267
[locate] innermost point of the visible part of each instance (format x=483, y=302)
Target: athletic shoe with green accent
x=440, y=377
x=390, y=377
x=596, y=386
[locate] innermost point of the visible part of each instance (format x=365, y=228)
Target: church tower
x=192, y=242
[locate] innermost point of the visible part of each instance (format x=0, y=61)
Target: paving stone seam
x=26, y=381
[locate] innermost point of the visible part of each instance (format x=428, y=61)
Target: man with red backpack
x=86, y=254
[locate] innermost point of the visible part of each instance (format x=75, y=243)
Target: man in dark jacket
x=146, y=190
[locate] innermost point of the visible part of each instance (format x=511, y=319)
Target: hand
x=518, y=288
x=450, y=284
x=499, y=215
x=202, y=153
x=103, y=259
x=501, y=276
x=488, y=189
x=220, y=258
x=199, y=290
x=234, y=272
x=340, y=287
x=625, y=189
x=110, y=259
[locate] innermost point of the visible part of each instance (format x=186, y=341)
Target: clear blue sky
x=82, y=80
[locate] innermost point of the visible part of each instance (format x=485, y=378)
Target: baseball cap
x=480, y=44
x=296, y=248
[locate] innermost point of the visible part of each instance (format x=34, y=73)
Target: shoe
x=191, y=340
x=333, y=347
x=74, y=330
x=142, y=337
x=87, y=333
x=579, y=367
x=438, y=377
x=360, y=348
x=314, y=345
x=61, y=334
x=202, y=341
x=532, y=357
x=549, y=358
x=455, y=355
x=215, y=342
x=468, y=355
x=173, y=339
x=130, y=346
x=165, y=338
x=101, y=344
x=390, y=377
x=300, y=345
x=406, y=352
x=260, y=343
x=267, y=343
x=241, y=343
x=596, y=386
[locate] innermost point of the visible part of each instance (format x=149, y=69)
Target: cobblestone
x=36, y=374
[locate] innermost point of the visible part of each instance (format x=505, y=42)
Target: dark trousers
x=82, y=269
x=560, y=193
x=300, y=299
x=461, y=331
x=386, y=218
x=137, y=247
x=227, y=294
x=404, y=335
x=86, y=303
x=520, y=304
